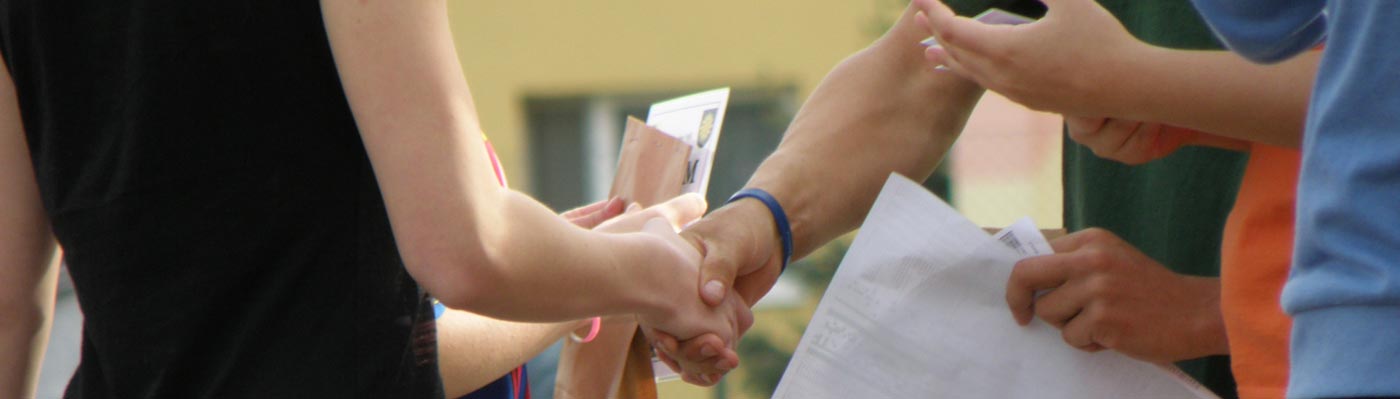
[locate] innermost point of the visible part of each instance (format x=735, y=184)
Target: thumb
x=718, y=264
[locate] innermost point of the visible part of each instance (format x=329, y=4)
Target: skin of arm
x=879, y=111
x=28, y=257
x=1079, y=60
x=474, y=245
x=474, y=350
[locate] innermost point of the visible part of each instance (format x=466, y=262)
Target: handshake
x=702, y=282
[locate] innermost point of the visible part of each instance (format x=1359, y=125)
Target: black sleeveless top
x=202, y=170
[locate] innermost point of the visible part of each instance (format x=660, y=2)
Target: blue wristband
x=779, y=217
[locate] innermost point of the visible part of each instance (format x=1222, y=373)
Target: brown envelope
x=651, y=166
x=650, y=170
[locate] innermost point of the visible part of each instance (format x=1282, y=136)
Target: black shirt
x=202, y=170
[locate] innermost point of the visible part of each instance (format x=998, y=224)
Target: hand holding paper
x=1102, y=293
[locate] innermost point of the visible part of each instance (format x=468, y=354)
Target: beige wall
x=511, y=47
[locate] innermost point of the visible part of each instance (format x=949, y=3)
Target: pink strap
x=597, y=324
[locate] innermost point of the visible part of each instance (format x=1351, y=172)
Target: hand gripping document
x=669, y=155
x=917, y=310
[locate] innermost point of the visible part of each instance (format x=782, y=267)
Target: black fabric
x=202, y=171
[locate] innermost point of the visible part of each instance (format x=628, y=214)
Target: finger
x=668, y=361
x=1028, y=277
x=942, y=60
x=1079, y=331
x=962, y=34
x=1059, y=306
x=922, y=20
x=1082, y=126
x=681, y=210
x=703, y=348
x=1078, y=240
x=586, y=209
x=1140, y=147
x=1109, y=138
x=593, y=215
x=676, y=212
x=718, y=265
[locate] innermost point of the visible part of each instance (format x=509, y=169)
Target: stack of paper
x=917, y=310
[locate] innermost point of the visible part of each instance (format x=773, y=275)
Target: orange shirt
x=1256, y=252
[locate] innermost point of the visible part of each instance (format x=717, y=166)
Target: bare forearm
x=882, y=110
x=474, y=350
x=24, y=335
x=1220, y=93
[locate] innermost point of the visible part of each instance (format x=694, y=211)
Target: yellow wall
x=510, y=48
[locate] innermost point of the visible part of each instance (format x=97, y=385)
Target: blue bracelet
x=779, y=217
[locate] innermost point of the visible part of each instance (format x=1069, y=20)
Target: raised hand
x=1070, y=61
x=1102, y=293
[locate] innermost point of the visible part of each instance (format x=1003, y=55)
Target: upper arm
x=26, y=244
x=27, y=271
x=410, y=100
x=1266, y=31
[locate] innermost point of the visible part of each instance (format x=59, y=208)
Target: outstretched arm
x=474, y=245
x=881, y=110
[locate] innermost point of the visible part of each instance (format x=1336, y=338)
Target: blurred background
x=554, y=81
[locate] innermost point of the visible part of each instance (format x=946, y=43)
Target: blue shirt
x=1344, y=290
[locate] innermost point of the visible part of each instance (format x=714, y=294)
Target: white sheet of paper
x=695, y=119
x=917, y=310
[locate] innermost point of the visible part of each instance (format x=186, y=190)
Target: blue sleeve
x=1266, y=31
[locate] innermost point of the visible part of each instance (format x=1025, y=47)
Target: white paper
x=917, y=310
x=695, y=119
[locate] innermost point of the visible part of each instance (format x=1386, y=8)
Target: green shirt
x=1173, y=209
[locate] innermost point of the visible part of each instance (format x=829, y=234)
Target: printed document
x=917, y=310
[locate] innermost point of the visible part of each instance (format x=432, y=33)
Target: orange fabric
x=1256, y=252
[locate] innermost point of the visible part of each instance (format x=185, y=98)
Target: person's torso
x=220, y=219
x=1255, y=257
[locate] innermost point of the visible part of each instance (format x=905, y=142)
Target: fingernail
x=714, y=289
x=705, y=378
x=707, y=351
x=727, y=364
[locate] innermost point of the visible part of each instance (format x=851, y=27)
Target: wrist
x=1209, y=325
x=760, y=229
x=778, y=216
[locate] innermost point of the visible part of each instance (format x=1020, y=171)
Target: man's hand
x=1067, y=62
x=1102, y=293
x=741, y=249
